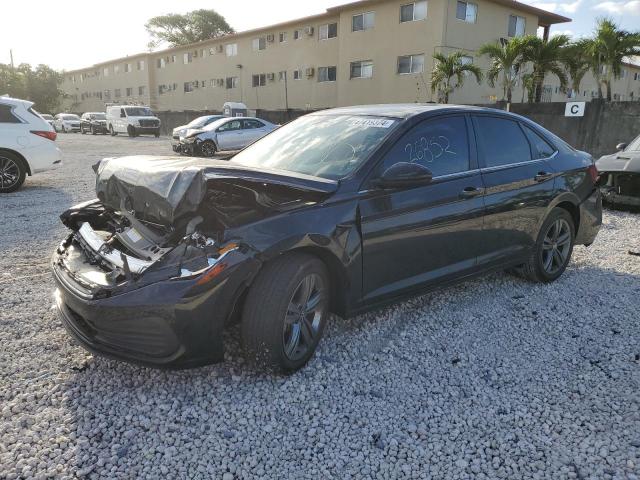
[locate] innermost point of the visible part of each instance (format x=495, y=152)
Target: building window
x=467, y=12
x=327, y=74
x=161, y=63
x=297, y=74
x=259, y=43
x=328, y=31
x=363, y=21
x=129, y=92
x=188, y=87
x=466, y=60
x=142, y=90
x=408, y=64
x=231, y=82
x=297, y=34
x=232, y=50
x=282, y=37
x=362, y=69
x=116, y=69
x=516, y=26
x=105, y=71
x=127, y=67
x=259, y=80
x=117, y=93
x=413, y=12
x=107, y=94
x=282, y=76
x=140, y=64
x=187, y=58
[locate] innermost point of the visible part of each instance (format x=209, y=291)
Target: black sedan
x=94, y=123
x=340, y=211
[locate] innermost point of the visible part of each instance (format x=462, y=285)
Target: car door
x=515, y=163
x=428, y=234
x=228, y=135
x=252, y=131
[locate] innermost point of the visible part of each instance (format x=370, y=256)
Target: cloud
x=570, y=7
x=563, y=32
x=560, y=7
x=632, y=7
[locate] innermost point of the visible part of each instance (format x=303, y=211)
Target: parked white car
x=48, y=118
x=27, y=143
x=66, y=122
x=226, y=134
x=132, y=120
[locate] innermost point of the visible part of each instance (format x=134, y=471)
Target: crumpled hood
x=165, y=189
x=620, y=162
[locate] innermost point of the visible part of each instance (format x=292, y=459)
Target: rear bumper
x=43, y=156
x=590, y=218
x=169, y=324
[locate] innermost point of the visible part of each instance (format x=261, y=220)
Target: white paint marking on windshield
x=371, y=122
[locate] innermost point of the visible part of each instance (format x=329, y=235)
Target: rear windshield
x=98, y=116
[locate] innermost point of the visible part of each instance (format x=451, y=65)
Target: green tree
x=609, y=48
x=449, y=67
x=577, y=63
x=40, y=85
x=506, y=63
x=546, y=58
x=196, y=26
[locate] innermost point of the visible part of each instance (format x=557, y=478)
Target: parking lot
x=493, y=378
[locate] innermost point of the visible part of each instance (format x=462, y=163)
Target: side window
x=501, y=141
x=541, y=148
x=249, y=124
x=235, y=125
x=122, y=114
x=7, y=116
x=441, y=145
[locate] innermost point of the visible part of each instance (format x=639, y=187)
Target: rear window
x=6, y=115
x=541, y=148
x=501, y=141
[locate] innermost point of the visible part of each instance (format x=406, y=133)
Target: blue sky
x=116, y=28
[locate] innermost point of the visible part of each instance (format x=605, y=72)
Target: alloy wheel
x=208, y=149
x=9, y=172
x=302, y=323
x=556, y=246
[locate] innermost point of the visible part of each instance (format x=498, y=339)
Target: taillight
x=48, y=135
x=593, y=172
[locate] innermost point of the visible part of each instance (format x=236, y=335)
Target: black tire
x=13, y=172
x=93, y=130
x=156, y=134
x=112, y=132
x=131, y=131
x=208, y=148
x=64, y=130
x=269, y=325
x=82, y=130
x=537, y=267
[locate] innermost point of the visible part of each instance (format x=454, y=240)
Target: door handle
x=470, y=192
x=543, y=176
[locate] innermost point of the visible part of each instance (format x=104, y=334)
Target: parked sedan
x=66, y=122
x=94, y=123
x=225, y=135
x=620, y=175
x=196, y=124
x=48, y=118
x=339, y=211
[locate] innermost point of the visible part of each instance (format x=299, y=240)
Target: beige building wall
x=208, y=66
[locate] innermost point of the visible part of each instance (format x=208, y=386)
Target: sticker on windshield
x=371, y=122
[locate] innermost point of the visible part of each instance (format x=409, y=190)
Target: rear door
x=423, y=235
x=253, y=130
x=229, y=135
x=518, y=175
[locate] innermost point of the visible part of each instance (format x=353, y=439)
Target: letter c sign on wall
x=574, y=109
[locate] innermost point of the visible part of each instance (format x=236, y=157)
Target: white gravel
x=494, y=378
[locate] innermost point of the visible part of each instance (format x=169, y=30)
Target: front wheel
x=285, y=312
x=112, y=131
x=156, y=134
x=131, y=131
x=553, y=248
x=82, y=130
x=12, y=172
x=208, y=148
x=93, y=130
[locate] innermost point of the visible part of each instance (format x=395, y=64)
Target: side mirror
x=405, y=174
x=123, y=115
x=621, y=146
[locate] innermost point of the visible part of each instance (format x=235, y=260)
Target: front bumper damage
x=620, y=188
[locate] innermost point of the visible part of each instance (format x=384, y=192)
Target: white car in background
x=27, y=143
x=195, y=124
x=48, y=118
x=66, y=122
x=227, y=134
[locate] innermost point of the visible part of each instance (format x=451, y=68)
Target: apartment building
x=369, y=51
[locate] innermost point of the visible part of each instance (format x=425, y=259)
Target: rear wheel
x=82, y=130
x=208, y=148
x=93, y=130
x=112, y=131
x=12, y=172
x=156, y=134
x=285, y=312
x=553, y=248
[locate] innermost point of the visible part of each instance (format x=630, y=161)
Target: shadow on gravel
x=504, y=346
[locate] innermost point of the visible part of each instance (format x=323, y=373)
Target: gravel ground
x=494, y=378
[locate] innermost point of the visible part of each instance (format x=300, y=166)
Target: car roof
x=7, y=100
x=402, y=110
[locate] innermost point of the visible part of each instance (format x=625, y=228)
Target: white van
x=132, y=120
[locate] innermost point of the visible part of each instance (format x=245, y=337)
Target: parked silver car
x=227, y=134
x=196, y=124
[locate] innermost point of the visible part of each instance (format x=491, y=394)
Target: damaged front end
x=153, y=262
x=620, y=188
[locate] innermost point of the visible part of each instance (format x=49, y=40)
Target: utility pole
x=286, y=94
x=11, y=57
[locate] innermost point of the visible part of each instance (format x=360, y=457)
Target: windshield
x=139, y=112
x=71, y=117
x=199, y=122
x=634, y=146
x=328, y=146
x=98, y=116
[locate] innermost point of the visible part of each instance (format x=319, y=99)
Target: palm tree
x=506, y=63
x=447, y=67
x=612, y=45
x=576, y=63
x=546, y=56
